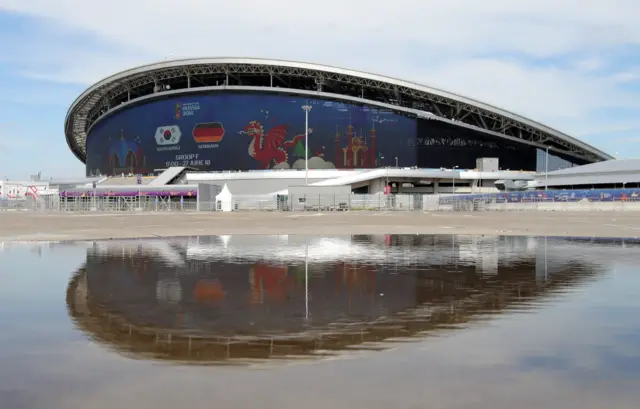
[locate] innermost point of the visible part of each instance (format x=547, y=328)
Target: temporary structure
x=224, y=200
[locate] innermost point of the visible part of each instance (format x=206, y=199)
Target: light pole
x=306, y=109
x=94, y=196
x=453, y=191
x=546, y=170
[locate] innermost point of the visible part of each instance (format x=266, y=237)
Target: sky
x=571, y=64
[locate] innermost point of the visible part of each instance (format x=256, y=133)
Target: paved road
x=19, y=226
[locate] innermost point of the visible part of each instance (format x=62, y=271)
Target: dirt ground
x=28, y=226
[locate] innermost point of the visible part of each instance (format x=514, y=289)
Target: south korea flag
x=168, y=135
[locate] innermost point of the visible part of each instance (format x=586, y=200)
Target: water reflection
x=245, y=299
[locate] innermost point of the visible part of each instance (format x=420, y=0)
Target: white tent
x=224, y=200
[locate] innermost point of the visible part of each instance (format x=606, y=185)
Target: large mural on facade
x=246, y=132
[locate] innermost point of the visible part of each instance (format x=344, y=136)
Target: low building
x=611, y=174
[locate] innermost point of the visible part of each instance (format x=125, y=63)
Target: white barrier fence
x=319, y=203
x=316, y=203
x=444, y=203
x=328, y=203
x=101, y=204
x=43, y=203
x=128, y=204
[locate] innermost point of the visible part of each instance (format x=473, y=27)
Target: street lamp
x=306, y=109
x=453, y=191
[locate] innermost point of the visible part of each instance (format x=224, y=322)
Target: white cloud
x=315, y=162
x=282, y=165
x=612, y=129
x=627, y=76
x=540, y=92
x=535, y=27
x=590, y=64
x=549, y=60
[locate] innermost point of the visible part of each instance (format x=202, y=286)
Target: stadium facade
x=219, y=114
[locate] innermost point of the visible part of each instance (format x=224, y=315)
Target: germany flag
x=208, y=132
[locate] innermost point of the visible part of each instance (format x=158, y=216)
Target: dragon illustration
x=271, y=148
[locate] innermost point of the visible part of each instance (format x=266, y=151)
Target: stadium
x=242, y=114
x=264, y=132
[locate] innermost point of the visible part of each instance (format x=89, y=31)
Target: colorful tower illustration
x=359, y=150
x=363, y=157
x=337, y=141
x=357, y=153
x=126, y=156
x=347, y=152
x=354, y=154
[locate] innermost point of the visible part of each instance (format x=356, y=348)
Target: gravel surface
x=30, y=226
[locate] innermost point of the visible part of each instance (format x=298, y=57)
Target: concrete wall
x=319, y=190
x=256, y=186
x=127, y=180
x=266, y=185
x=377, y=186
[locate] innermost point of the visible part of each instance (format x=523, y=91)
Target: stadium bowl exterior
x=257, y=123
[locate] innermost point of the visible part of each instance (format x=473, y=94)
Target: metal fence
x=499, y=203
x=126, y=204
x=206, y=202
x=323, y=203
x=44, y=203
x=207, y=193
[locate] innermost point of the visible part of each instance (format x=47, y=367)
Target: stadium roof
x=177, y=77
x=609, y=166
x=614, y=172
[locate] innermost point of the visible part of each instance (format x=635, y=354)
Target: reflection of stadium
x=175, y=301
x=245, y=114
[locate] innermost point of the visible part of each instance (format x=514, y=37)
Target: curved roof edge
x=115, y=78
x=310, y=94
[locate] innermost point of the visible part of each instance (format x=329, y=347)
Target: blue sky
x=571, y=64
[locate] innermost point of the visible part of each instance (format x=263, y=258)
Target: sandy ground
x=27, y=226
